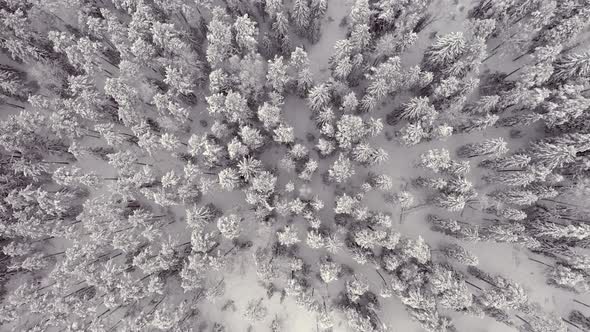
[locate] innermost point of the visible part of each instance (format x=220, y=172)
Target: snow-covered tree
x=229, y=179
x=245, y=33
x=515, y=196
x=459, y=254
x=417, y=249
x=445, y=50
x=419, y=108
x=329, y=270
x=319, y=96
x=494, y=146
x=350, y=130
x=219, y=36
x=229, y=226
x=341, y=170
x=288, y=236
x=436, y=160
x=571, y=66
x=255, y=311
x=277, y=77
x=412, y=134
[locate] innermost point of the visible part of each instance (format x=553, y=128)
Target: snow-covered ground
x=241, y=282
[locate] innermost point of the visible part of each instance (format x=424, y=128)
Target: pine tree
x=12, y=82
x=301, y=14
x=437, y=160
x=219, y=36
x=464, y=231
x=255, y=311
x=277, y=74
x=68, y=176
x=341, y=170
x=565, y=277
x=509, y=213
x=178, y=80
x=419, y=108
x=199, y=217
x=284, y=134
x=350, y=130
x=272, y=7
x=565, y=105
x=126, y=97
x=249, y=167
x=412, y=134
x=359, y=13
x=551, y=155
x=495, y=146
x=318, y=10
x=516, y=197
x=558, y=231
x=441, y=132
x=445, y=50
x=513, y=178
x=280, y=33
x=245, y=34
x=384, y=79
x=523, y=119
x=345, y=204
x=404, y=199
x=319, y=97
x=515, y=161
x=451, y=201
x=300, y=67
x=229, y=179
x=329, y=270
x=251, y=137
x=315, y=239
x=417, y=249
x=450, y=290
x=565, y=29
x=538, y=321
x=571, y=66
x=288, y=236
x=479, y=123
x=229, y=226
x=360, y=36
x=535, y=75
x=460, y=254
x=269, y=115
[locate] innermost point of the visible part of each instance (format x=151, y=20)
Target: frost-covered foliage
x=227, y=165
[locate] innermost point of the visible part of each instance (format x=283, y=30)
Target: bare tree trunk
x=14, y=105
x=582, y=303
x=54, y=254
x=471, y=284
x=512, y=72
x=520, y=56
x=56, y=162
x=572, y=324
x=538, y=261
x=230, y=250
x=157, y=304
x=486, y=281
x=564, y=203
x=492, y=53
x=522, y=319
x=46, y=286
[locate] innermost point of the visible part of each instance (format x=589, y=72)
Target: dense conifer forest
x=295, y=165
